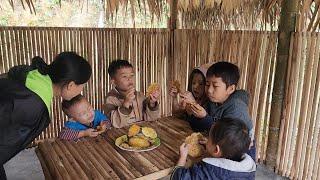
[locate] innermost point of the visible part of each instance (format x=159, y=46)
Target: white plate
x=139, y=150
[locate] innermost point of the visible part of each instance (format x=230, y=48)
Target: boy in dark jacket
x=224, y=100
x=228, y=142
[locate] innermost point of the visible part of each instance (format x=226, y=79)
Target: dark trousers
x=252, y=151
x=2, y=173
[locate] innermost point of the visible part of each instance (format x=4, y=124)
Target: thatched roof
x=216, y=14
x=239, y=14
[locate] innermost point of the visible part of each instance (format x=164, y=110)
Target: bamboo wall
x=299, y=144
x=149, y=52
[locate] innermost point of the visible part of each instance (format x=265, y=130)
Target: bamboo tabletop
x=99, y=158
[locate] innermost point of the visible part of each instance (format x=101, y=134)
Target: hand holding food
x=174, y=88
x=197, y=110
x=153, y=92
x=195, y=148
x=101, y=128
x=187, y=97
x=129, y=98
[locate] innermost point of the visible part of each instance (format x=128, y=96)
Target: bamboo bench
x=99, y=158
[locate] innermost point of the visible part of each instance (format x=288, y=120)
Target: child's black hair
x=115, y=65
x=232, y=136
x=228, y=72
x=67, y=104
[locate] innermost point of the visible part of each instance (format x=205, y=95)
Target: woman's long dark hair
x=193, y=73
x=66, y=67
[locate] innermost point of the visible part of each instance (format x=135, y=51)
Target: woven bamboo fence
x=150, y=51
x=298, y=156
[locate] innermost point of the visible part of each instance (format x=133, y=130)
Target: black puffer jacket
x=23, y=113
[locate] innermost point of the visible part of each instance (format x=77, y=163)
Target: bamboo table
x=99, y=158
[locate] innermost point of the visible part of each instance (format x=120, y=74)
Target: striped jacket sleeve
x=68, y=134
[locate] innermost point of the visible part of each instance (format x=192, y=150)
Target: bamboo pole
x=287, y=25
x=71, y=160
x=303, y=122
x=287, y=107
x=312, y=106
x=314, y=152
x=171, y=40
x=297, y=104
x=264, y=131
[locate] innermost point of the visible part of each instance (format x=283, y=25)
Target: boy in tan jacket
x=124, y=105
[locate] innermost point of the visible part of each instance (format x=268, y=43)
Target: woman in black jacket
x=26, y=94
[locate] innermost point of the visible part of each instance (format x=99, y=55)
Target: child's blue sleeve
x=203, y=124
x=197, y=171
x=206, y=123
x=99, y=116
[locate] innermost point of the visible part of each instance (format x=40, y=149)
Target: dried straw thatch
x=216, y=14
x=226, y=14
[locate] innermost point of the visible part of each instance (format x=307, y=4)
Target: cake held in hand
x=152, y=89
x=195, y=149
